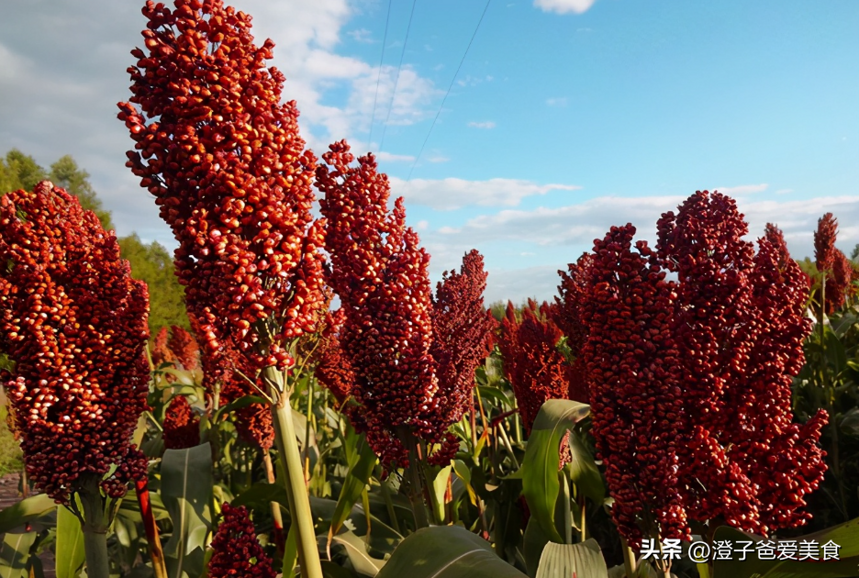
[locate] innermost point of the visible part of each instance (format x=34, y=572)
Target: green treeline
x=150, y=262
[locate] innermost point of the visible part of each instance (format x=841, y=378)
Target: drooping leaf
x=355, y=549
x=14, y=554
x=582, y=560
x=70, y=544
x=584, y=472
x=186, y=488
x=539, y=469
x=25, y=511
x=361, y=466
x=446, y=552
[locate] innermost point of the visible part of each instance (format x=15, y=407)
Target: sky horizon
x=566, y=116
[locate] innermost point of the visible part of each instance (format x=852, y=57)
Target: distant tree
x=854, y=254
x=808, y=266
x=66, y=174
x=154, y=264
x=19, y=171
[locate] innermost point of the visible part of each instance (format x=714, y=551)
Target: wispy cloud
x=392, y=158
x=564, y=6
x=485, y=125
x=449, y=194
x=557, y=101
x=361, y=35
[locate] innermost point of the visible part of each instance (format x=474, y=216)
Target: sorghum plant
x=739, y=323
x=333, y=368
x=181, y=426
x=75, y=324
x=690, y=379
x=236, y=549
x=635, y=390
x=837, y=271
x=533, y=365
x=413, y=356
x=232, y=177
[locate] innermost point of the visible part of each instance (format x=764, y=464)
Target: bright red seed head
x=181, y=426
x=380, y=274
x=75, y=324
x=236, y=549
x=223, y=157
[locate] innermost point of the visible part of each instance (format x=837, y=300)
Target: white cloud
x=742, y=189
x=361, y=35
x=564, y=6
x=485, y=125
x=60, y=87
x=557, y=101
x=451, y=193
x=557, y=236
x=438, y=159
x=392, y=158
x=422, y=225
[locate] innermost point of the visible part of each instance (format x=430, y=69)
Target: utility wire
x=379, y=76
x=452, y=81
x=397, y=80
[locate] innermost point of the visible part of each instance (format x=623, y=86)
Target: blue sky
x=567, y=116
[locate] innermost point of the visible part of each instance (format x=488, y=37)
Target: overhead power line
x=397, y=79
x=379, y=76
x=452, y=81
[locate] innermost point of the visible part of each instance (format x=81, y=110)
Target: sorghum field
x=683, y=409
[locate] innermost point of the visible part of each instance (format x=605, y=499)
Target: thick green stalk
x=568, y=513
x=389, y=504
x=630, y=563
x=415, y=482
x=293, y=481
x=95, y=546
x=94, y=528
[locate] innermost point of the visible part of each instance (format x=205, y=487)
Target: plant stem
x=568, y=513
x=153, y=540
x=95, y=546
x=276, y=516
x=415, y=483
x=506, y=441
x=389, y=504
x=583, y=504
x=306, y=448
x=94, y=529
x=293, y=482
x=630, y=564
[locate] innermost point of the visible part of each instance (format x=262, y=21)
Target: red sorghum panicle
x=227, y=167
x=783, y=459
x=568, y=317
x=635, y=385
x=380, y=274
x=161, y=352
x=181, y=426
x=253, y=422
x=461, y=329
x=184, y=347
x=532, y=363
x=333, y=368
x=739, y=325
x=237, y=553
x=75, y=324
x=830, y=263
